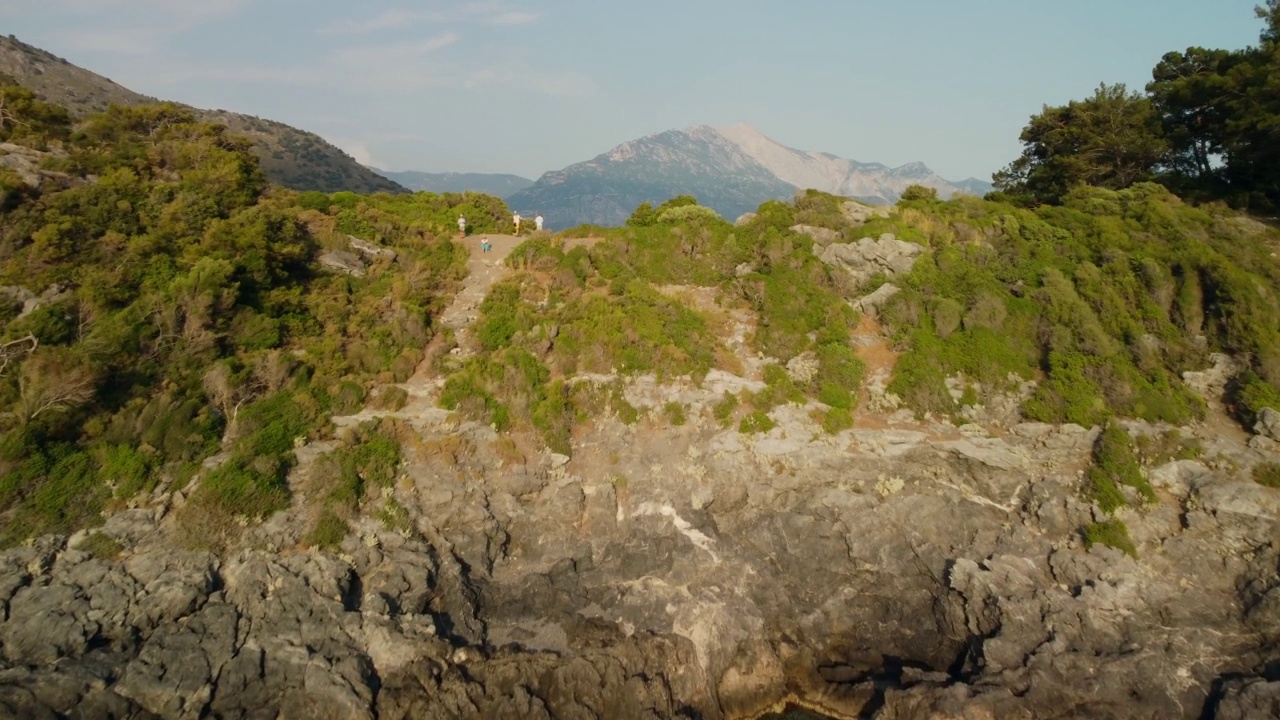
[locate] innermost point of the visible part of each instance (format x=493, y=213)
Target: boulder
x=873, y=303
x=866, y=257
x=369, y=250
x=744, y=219
x=822, y=236
x=1268, y=424
x=343, y=262
x=858, y=213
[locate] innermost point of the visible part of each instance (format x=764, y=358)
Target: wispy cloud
x=483, y=12
x=514, y=17
x=393, y=53
x=126, y=27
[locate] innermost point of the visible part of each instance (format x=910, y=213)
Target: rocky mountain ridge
x=729, y=169
x=291, y=157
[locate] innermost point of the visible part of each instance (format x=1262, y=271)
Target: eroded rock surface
x=867, y=257
x=682, y=572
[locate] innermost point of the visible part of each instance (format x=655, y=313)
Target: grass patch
x=1167, y=447
x=1112, y=533
x=328, y=532
x=837, y=419
x=756, y=422
x=1115, y=463
x=391, y=398
x=394, y=516
x=724, y=408
x=101, y=546
x=675, y=412
x=1267, y=474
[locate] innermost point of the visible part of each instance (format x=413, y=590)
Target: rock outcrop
x=1268, y=423
x=867, y=257
x=909, y=572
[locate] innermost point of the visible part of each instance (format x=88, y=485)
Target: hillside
x=731, y=170
x=290, y=157
x=278, y=454
x=499, y=185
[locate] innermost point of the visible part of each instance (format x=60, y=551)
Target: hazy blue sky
x=524, y=87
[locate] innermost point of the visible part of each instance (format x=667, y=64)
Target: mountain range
x=729, y=169
x=290, y=157
x=497, y=184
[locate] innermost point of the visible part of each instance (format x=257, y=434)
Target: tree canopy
x=1208, y=127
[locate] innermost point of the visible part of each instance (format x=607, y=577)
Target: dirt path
x=483, y=270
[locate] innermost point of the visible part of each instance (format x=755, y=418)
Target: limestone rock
x=858, y=214
x=873, y=302
x=343, y=262
x=369, y=250
x=1268, y=424
x=866, y=257
x=822, y=236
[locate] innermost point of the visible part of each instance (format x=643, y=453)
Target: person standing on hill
x=537, y=223
x=515, y=220
x=462, y=226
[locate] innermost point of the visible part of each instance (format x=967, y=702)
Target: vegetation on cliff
x=164, y=311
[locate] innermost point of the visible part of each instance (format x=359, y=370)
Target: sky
x=526, y=87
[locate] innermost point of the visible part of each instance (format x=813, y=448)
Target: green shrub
x=1250, y=393
x=1168, y=446
x=391, y=398
x=724, y=408
x=1267, y=474
x=1104, y=492
x=241, y=488
x=837, y=419
x=328, y=532
x=625, y=411
x=394, y=516
x=101, y=546
x=675, y=413
x=1115, y=463
x=756, y=422
x=1112, y=533
x=127, y=470
x=835, y=396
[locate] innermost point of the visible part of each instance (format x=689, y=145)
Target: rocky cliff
x=907, y=571
x=905, y=567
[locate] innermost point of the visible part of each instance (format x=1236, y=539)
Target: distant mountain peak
x=729, y=168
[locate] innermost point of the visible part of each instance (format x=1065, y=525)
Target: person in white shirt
x=462, y=226
x=537, y=223
x=515, y=220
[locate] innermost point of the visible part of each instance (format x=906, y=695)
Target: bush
x=1112, y=533
x=675, y=412
x=724, y=408
x=756, y=422
x=1116, y=463
x=394, y=516
x=328, y=532
x=1168, y=446
x=101, y=546
x=837, y=419
x=391, y=398
x=240, y=489
x=1267, y=474
x=126, y=470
